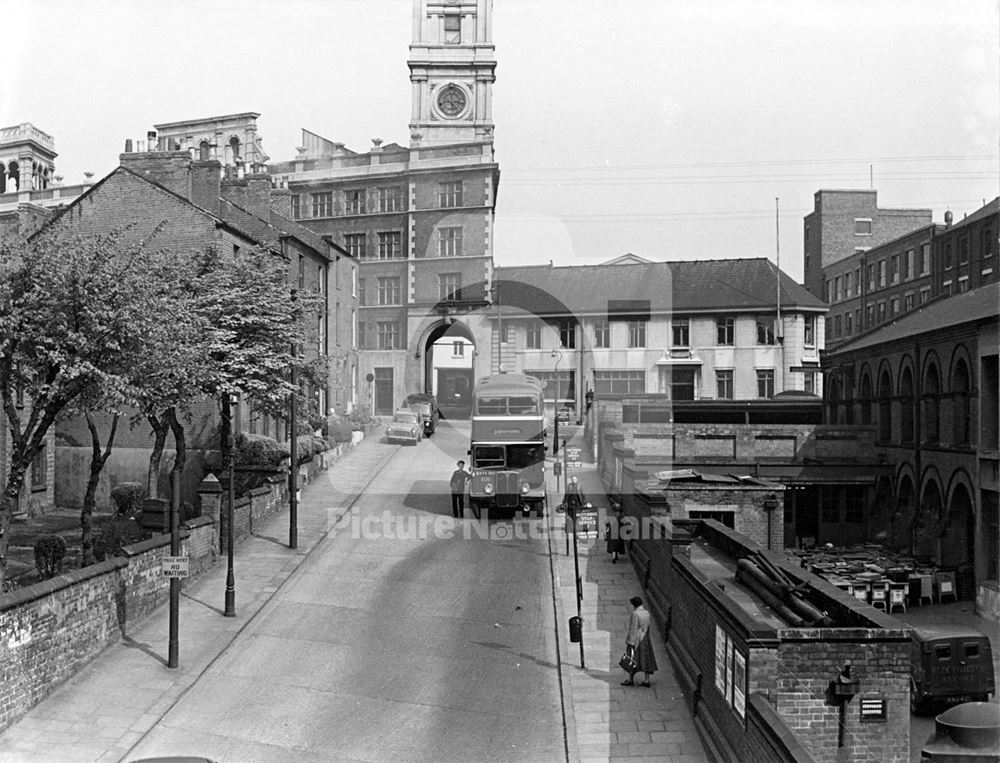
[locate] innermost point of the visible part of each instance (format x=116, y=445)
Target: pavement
x=606, y=721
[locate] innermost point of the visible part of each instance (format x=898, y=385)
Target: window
x=894, y=268
x=450, y=242
x=857, y=280
x=505, y=333
x=387, y=335
x=682, y=383
x=946, y=256
x=863, y=226
x=354, y=243
x=450, y=194
x=390, y=245
x=39, y=468
x=765, y=329
x=457, y=349
x=556, y=385
x=870, y=316
x=602, y=333
x=946, y=288
x=809, y=378
x=680, y=331
x=908, y=301
x=963, y=284
x=637, y=333
x=452, y=29
x=848, y=323
x=828, y=290
x=620, y=382
x=836, y=325
x=871, y=276
x=724, y=384
x=360, y=338
x=847, y=284
x=302, y=272
x=881, y=311
x=909, y=263
x=809, y=331
x=765, y=382
x=390, y=198
x=725, y=330
x=567, y=334
x=296, y=206
x=322, y=204
x=963, y=250
x=354, y=201
x=881, y=274
x=838, y=289
x=925, y=259
x=988, y=243
x=894, y=305
x=449, y=286
x=533, y=336
x=388, y=291
x=925, y=295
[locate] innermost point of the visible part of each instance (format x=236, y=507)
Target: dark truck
x=949, y=664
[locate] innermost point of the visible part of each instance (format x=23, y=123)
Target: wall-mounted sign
x=873, y=711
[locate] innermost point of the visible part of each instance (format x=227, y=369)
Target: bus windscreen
x=523, y=456
x=488, y=456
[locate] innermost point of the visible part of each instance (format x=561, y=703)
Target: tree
x=75, y=313
x=255, y=322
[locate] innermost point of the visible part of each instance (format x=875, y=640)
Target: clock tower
x=452, y=70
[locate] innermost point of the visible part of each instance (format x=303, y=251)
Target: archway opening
x=906, y=407
x=901, y=522
x=927, y=525
x=961, y=410
x=449, y=367
x=959, y=530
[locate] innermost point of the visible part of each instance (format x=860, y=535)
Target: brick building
x=928, y=383
x=844, y=223
x=965, y=252
x=194, y=206
x=419, y=219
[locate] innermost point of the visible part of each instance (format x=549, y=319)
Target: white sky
x=658, y=127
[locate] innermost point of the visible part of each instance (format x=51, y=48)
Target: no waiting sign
x=175, y=566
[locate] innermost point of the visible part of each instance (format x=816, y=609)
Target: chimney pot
x=128, y=145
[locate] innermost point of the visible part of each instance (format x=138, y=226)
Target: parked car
x=949, y=664
x=407, y=425
x=426, y=405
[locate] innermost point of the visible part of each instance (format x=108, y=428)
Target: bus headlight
x=525, y=487
x=488, y=488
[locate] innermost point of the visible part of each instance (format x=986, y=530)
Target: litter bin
x=576, y=629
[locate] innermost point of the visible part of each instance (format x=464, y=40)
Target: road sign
x=175, y=566
x=574, y=454
x=574, y=464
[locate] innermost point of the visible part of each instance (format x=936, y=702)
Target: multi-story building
x=420, y=219
x=715, y=329
x=928, y=383
x=873, y=287
x=844, y=223
x=965, y=252
x=29, y=187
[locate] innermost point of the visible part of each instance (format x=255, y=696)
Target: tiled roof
x=970, y=306
x=683, y=286
x=270, y=231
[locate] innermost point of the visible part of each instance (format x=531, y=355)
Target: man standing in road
x=459, y=479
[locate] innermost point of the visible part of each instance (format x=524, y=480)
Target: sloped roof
x=681, y=287
x=270, y=231
x=970, y=306
x=990, y=209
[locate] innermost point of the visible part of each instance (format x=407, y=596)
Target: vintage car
x=428, y=407
x=949, y=664
x=407, y=425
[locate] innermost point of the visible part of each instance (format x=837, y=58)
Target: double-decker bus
x=508, y=445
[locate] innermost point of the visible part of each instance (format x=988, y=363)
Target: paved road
x=390, y=642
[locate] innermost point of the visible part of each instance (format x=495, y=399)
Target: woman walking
x=613, y=532
x=638, y=640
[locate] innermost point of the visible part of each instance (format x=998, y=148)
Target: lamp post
x=555, y=443
x=230, y=610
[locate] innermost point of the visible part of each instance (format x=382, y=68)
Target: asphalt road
x=403, y=636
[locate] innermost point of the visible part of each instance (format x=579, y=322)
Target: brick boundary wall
x=789, y=669
x=50, y=630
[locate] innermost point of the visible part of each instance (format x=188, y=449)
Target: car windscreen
x=405, y=418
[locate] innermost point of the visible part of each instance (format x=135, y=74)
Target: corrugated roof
x=681, y=287
x=970, y=306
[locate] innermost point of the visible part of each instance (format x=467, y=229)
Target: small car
x=426, y=405
x=407, y=425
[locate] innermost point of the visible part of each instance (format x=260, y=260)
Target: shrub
x=258, y=449
x=309, y=446
x=127, y=498
x=360, y=419
x=49, y=553
x=338, y=429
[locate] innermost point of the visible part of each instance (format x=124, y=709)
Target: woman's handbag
x=627, y=660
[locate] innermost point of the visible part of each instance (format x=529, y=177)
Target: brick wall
x=788, y=669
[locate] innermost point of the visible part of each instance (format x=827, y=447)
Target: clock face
x=451, y=100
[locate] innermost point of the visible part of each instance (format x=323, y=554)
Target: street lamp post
x=230, y=610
